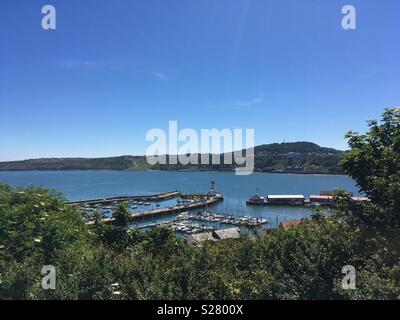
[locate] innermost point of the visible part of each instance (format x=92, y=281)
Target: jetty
x=325, y=198
x=197, y=204
x=113, y=200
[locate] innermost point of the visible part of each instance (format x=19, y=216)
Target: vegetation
x=305, y=262
x=112, y=163
x=297, y=157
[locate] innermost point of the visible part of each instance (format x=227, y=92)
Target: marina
x=228, y=219
x=204, y=221
x=185, y=203
x=105, y=189
x=185, y=222
x=195, y=204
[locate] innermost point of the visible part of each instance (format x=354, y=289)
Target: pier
x=324, y=199
x=200, y=203
x=112, y=200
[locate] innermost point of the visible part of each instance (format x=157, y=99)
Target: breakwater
x=112, y=200
x=197, y=203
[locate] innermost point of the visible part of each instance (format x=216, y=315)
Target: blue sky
x=112, y=70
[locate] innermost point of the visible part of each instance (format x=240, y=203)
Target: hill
x=294, y=157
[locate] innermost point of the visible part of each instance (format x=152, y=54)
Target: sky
x=113, y=70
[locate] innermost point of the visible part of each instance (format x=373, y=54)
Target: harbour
x=79, y=186
x=203, y=220
x=195, y=204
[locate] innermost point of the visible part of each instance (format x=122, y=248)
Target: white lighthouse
x=212, y=192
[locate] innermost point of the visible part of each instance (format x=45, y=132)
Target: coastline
x=176, y=171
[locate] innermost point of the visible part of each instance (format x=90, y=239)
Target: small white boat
x=208, y=228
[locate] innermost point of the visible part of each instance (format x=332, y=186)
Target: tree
x=374, y=163
x=117, y=235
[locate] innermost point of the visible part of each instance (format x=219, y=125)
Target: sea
x=82, y=185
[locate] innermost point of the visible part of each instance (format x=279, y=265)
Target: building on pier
x=329, y=200
x=359, y=199
x=285, y=199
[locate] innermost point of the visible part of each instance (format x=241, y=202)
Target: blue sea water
x=79, y=185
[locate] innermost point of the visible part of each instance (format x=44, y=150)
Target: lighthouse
x=212, y=192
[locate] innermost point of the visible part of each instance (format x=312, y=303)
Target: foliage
x=374, y=163
x=301, y=263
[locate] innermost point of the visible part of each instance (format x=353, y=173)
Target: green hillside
x=295, y=157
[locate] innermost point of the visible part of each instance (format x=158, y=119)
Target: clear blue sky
x=114, y=69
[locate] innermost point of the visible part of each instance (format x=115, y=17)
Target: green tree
x=374, y=163
x=117, y=235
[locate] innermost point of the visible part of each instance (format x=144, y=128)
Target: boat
x=262, y=220
x=314, y=204
x=256, y=199
x=209, y=228
x=183, y=216
x=245, y=219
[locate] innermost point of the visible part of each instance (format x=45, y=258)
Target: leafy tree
x=117, y=235
x=374, y=163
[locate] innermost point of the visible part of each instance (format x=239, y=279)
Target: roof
x=229, y=233
x=199, y=237
x=217, y=235
x=359, y=199
x=331, y=193
x=322, y=197
x=290, y=223
x=292, y=196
